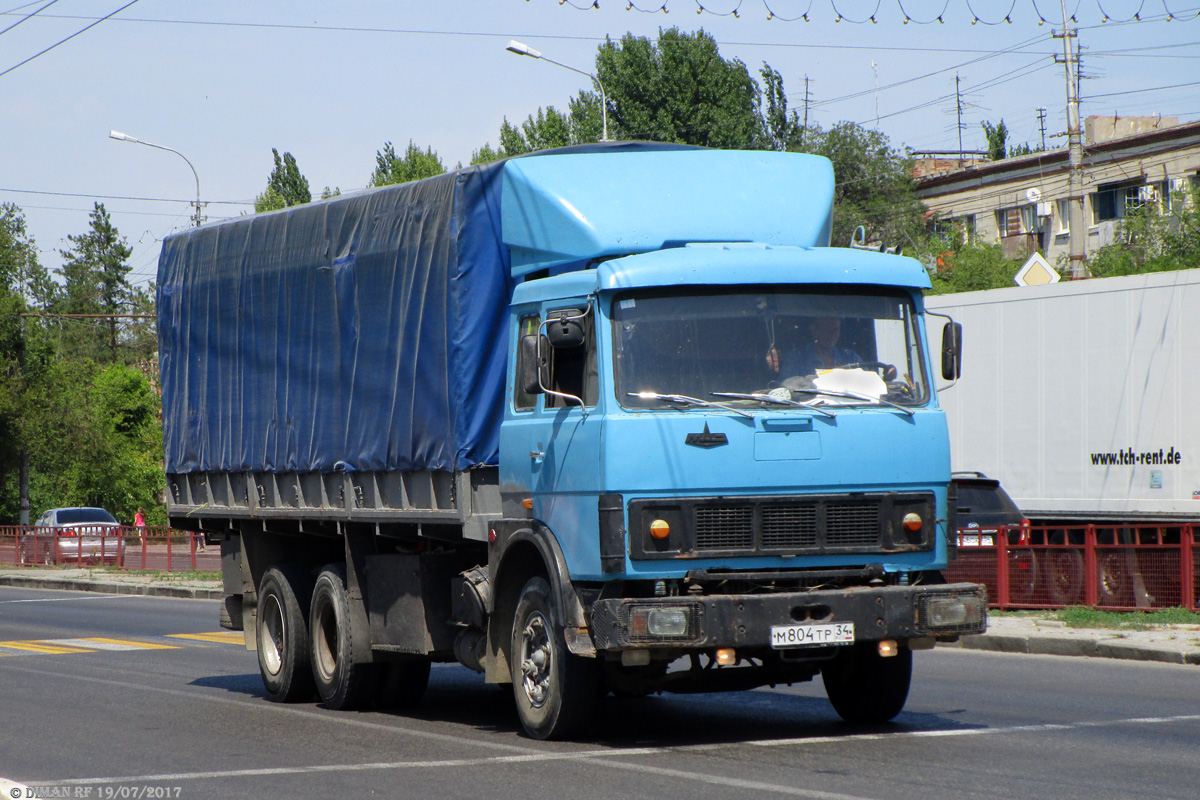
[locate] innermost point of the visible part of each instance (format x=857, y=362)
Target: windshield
x=778, y=346
x=70, y=516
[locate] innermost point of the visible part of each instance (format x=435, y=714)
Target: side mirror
x=534, y=365
x=952, y=351
x=564, y=329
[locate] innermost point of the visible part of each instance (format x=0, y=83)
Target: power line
x=125, y=197
x=67, y=39
x=27, y=17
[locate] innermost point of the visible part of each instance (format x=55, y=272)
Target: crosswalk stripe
x=221, y=637
x=101, y=643
x=41, y=647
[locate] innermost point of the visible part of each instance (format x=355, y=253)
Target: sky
x=224, y=81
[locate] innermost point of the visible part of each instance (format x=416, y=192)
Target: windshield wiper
x=766, y=398
x=684, y=399
x=856, y=396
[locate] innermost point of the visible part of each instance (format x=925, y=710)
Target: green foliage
x=1150, y=241
x=327, y=193
x=997, y=138
x=962, y=266
x=416, y=164
x=679, y=89
x=874, y=187
x=95, y=281
x=285, y=185
x=1084, y=617
x=93, y=438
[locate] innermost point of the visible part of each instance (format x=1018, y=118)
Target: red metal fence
x=125, y=547
x=1112, y=568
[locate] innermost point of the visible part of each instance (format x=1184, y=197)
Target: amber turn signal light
x=659, y=529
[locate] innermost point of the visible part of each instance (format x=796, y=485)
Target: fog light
x=888, y=648
x=953, y=611
x=912, y=521
x=667, y=622
x=726, y=657
x=659, y=529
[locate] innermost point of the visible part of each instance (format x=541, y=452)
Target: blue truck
x=604, y=419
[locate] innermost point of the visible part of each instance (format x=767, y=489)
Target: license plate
x=812, y=635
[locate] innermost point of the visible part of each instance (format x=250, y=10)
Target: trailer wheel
x=341, y=683
x=1064, y=576
x=402, y=684
x=865, y=687
x=283, y=634
x=555, y=691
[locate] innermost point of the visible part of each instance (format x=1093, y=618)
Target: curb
x=111, y=587
x=1086, y=647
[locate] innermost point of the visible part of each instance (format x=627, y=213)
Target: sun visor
x=559, y=209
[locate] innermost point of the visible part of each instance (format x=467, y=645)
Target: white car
x=74, y=536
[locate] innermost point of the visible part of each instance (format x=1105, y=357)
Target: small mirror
x=534, y=367
x=952, y=351
x=565, y=328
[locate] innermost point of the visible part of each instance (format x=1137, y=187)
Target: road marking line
x=100, y=643
x=218, y=637
x=41, y=647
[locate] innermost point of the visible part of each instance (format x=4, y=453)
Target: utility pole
x=959, y=125
x=1042, y=124
x=1078, y=236
x=807, y=99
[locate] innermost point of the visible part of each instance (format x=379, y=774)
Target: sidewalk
x=159, y=584
x=1172, y=644
x=1033, y=634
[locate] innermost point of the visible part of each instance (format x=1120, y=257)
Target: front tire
x=341, y=683
x=555, y=691
x=865, y=687
x=283, y=643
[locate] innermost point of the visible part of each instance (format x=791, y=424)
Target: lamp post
x=525, y=50
x=124, y=137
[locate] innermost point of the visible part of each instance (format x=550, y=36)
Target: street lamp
x=525, y=50
x=124, y=137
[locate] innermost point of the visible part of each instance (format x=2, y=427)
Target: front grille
x=852, y=525
x=724, y=527
x=780, y=525
x=789, y=526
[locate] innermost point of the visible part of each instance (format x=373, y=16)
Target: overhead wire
x=66, y=39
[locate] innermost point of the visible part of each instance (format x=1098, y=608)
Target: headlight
x=649, y=623
x=952, y=612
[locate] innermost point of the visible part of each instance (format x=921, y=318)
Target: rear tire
x=1064, y=576
x=283, y=644
x=555, y=691
x=865, y=687
x=341, y=683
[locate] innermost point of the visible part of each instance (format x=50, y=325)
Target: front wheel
x=865, y=687
x=555, y=691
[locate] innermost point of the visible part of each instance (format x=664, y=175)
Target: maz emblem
x=706, y=439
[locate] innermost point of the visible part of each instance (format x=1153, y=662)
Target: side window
x=523, y=400
x=573, y=370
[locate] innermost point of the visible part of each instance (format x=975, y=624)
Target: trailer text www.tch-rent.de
x=1129, y=457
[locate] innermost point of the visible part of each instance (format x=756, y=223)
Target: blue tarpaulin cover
x=362, y=333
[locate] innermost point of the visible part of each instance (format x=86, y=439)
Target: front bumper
x=745, y=620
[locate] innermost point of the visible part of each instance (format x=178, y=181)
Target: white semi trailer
x=1083, y=397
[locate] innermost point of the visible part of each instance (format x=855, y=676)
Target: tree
x=781, y=127
x=997, y=138
x=1153, y=240
x=95, y=275
x=415, y=164
x=679, y=89
x=873, y=188
x=286, y=186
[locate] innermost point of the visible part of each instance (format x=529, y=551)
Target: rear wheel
x=341, y=683
x=282, y=639
x=1064, y=576
x=555, y=691
x=863, y=686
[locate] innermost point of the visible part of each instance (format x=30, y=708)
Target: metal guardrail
x=1105, y=567
x=124, y=547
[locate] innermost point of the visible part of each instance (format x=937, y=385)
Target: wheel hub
x=536, y=660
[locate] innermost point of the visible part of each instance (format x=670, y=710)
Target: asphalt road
x=186, y=718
